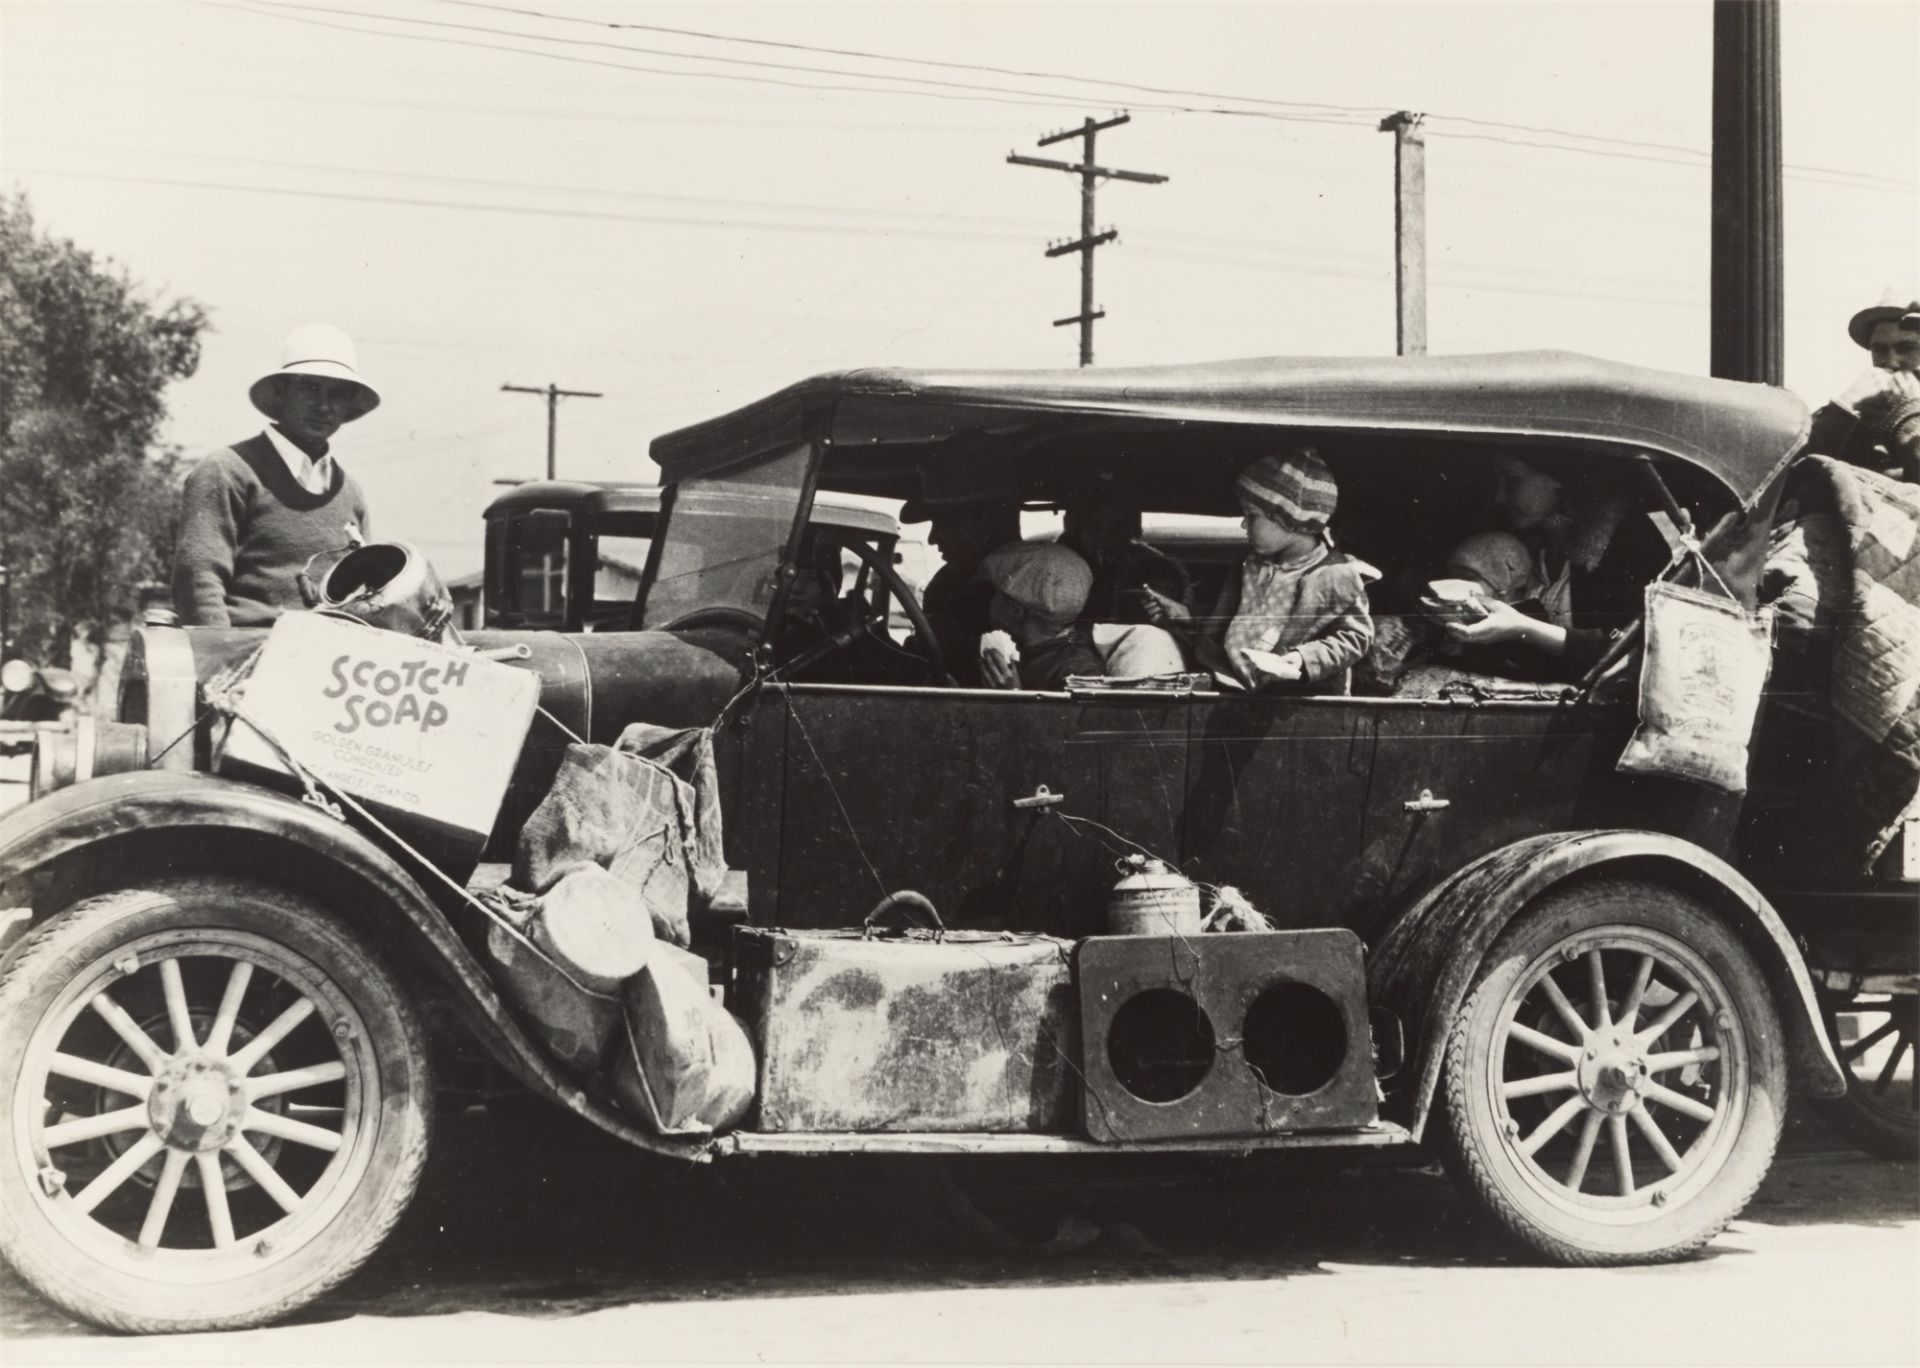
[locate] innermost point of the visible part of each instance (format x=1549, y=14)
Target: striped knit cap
x=1297, y=485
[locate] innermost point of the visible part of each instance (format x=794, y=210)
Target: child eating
x=1297, y=611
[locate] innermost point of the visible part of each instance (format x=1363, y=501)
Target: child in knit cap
x=1297, y=611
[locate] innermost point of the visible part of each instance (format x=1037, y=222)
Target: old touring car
x=217, y=1082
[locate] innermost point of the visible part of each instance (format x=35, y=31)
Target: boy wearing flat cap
x=1298, y=603
x=253, y=514
x=1039, y=590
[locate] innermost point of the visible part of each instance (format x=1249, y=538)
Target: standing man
x=1890, y=331
x=253, y=514
x=1875, y=421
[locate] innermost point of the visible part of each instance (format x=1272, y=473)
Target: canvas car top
x=1740, y=434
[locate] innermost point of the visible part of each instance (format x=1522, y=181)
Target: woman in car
x=1583, y=565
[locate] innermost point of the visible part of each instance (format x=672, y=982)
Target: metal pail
x=1154, y=899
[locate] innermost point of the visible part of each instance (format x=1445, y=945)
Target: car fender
x=113, y=831
x=1422, y=968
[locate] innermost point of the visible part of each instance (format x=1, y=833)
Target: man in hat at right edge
x=254, y=513
x=1875, y=421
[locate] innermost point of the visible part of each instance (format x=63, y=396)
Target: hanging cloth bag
x=1707, y=660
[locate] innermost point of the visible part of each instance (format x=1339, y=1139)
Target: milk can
x=1154, y=899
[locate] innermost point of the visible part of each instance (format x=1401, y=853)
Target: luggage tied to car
x=910, y=1030
x=683, y=1064
x=603, y=877
x=1844, y=571
x=647, y=809
x=1706, y=665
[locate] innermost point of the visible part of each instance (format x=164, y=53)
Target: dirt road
x=546, y=1245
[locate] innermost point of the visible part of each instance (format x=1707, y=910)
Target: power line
x=979, y=94
x=664, y=220
x=1355, y=113
x=1359, y=111
x=863, y=213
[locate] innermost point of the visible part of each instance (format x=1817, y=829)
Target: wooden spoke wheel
x=213, y=1105
x=1873, y=1033
x=1614, y=1085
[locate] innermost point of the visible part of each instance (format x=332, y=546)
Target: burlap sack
x=1706, y=664
x=684, y=1064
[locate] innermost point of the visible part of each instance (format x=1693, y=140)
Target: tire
x=105, y=1204
x=1874, y=1036
x=1552, y=1156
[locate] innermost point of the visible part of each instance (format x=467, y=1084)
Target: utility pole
x=554, y=395
x=1090, y=175
x=1745, y=303
x=1409, y=230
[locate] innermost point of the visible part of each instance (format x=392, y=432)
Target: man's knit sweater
x=247, y=530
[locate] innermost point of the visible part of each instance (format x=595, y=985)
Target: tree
x=86, y=499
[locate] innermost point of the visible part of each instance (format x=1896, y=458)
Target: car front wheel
x=214, y=1104
x=1615, y=1084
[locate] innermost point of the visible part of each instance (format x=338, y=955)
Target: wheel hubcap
x=197, y=1104
x=1612, y=1079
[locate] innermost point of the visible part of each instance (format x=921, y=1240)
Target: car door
x=1007, y=809
x=1275, y=801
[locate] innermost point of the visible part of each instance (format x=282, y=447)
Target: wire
x=921, y=61
x=1351, y=113
x=1321, y=114
x=548, y=187
x=273, y=9
x=757, y=225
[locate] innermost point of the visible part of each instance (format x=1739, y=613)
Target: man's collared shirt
x=312, y=473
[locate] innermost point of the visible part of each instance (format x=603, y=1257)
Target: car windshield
x=723, y=538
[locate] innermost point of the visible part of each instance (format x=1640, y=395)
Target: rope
x=314, y=784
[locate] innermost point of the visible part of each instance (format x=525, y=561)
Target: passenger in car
x=1039, y=591
x=1297, y=612
x=1589, y=569
x=958, y=597
x=1105, y=530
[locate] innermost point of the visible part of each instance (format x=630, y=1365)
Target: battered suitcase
x=914, y=1030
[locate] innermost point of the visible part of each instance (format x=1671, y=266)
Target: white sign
x=388, y=718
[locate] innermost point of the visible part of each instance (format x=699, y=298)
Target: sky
x=685, y=207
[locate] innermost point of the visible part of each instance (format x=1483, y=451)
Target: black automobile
x=1592, y=992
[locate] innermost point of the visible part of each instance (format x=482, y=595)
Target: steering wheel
x=719, y=616
x=875, y=560
x=882, y=567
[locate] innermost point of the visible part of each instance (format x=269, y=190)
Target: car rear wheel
x=1614, y=1085
x=1873, y=1033
x=214, y=1104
